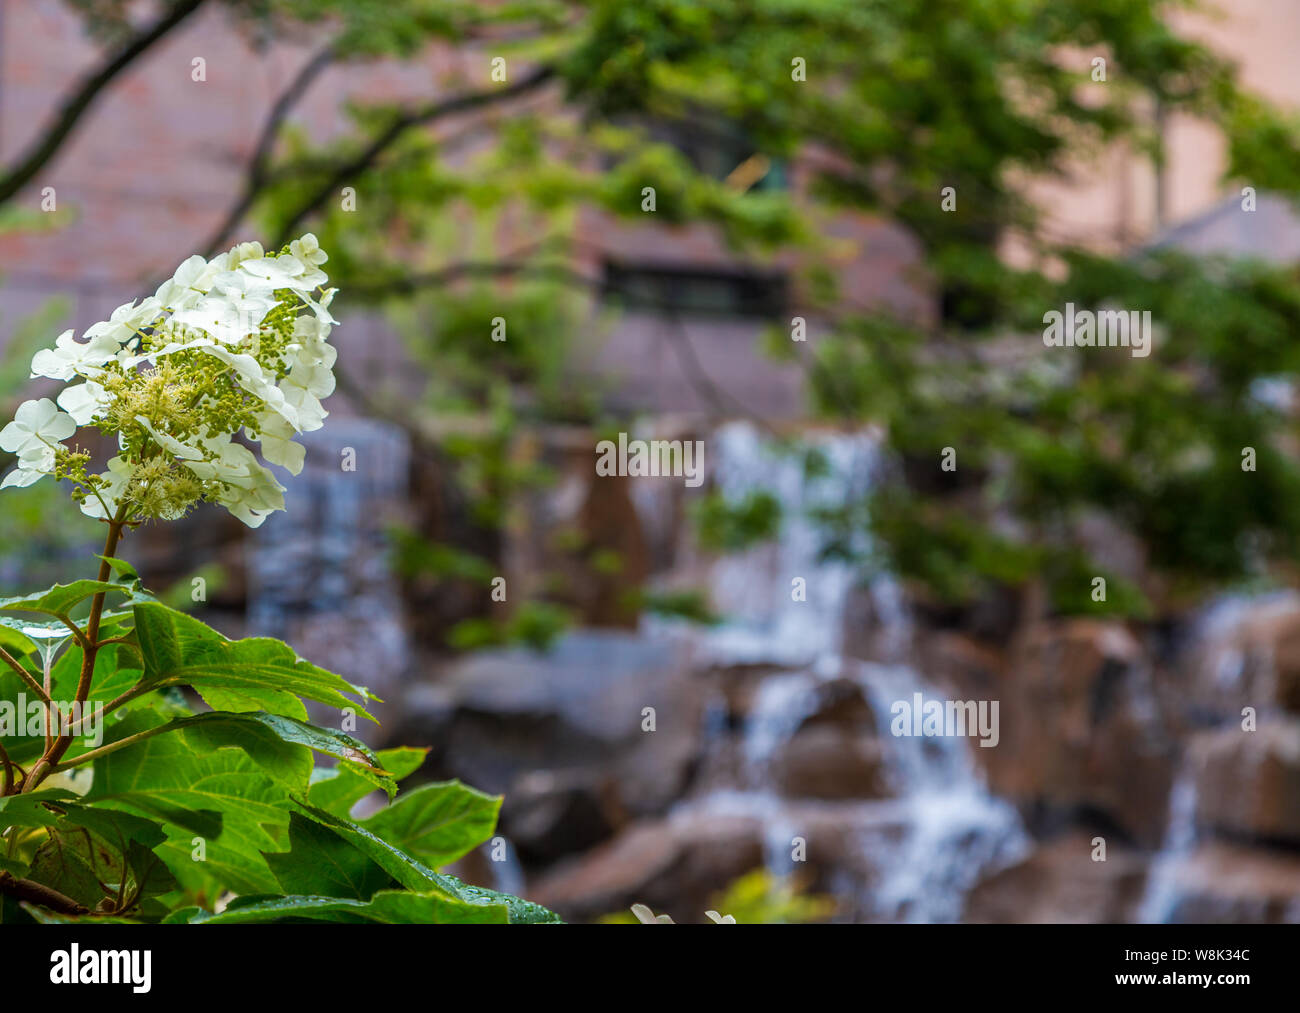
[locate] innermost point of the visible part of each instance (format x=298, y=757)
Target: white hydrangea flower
x=38, y=429
x=70, y=357
x=234, y=308
x=34, y=463
x=185, y=288
x=106, y=503
x=307, y=249
x=36, y=423
x=276, y=437
x=125, y=322
x=227, y=348
x=84, y=402
x=284, y=272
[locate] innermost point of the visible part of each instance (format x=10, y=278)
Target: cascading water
x=320, y=572
x=1162, y=892
x=1224, y=678
x=927, y=845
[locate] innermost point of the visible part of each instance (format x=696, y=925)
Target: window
x=695, y=291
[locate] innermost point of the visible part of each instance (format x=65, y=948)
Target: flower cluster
x=235, y=343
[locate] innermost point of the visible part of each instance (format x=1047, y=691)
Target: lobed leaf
x=261, y=673
x=437, y=823
x=338, y=789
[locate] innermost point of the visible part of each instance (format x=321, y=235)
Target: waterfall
x=318, y=573
x=1161, y=894
x=942, y=831
x=1228, y=666
x=752, y=588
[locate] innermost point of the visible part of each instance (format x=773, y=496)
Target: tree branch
x=413, y=118
x=76, y=104
x=256, y=174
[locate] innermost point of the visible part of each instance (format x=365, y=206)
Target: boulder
x=560, y=734
x=822, y=761
x=1059, y=882
x=1246, y=652
x=1224, y=883
x=1248, y=782
x=550, y=814
x=675, y=865
x=1081, y=731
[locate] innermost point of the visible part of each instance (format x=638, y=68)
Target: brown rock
x=823, y=761
x=1059, y=883
x=1249, y=657
x=550, y=814
x=1224, y=883
x=674, y=865
x=1080, y=729
x=1248, y=783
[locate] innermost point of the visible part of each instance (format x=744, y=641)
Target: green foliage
x=759, y=898
x=692, y=606
x=162, y=813
x=533, y=624
x=726, y=526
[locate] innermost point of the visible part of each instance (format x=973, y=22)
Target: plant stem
x=48, y=659
x=128, y=696
x=89, y=649
x=9, y=771
x=38, y=893
x=25, y=675
x=112, y=747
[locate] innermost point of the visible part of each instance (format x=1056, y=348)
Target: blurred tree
x=467, y=206
x=886, y=104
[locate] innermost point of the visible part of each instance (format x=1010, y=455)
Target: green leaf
x=82, y=866
x=220, y=795
x=35, y=808
x=416, y=876
x=17, y=642
x=61, y=599
x=274, y=701
x=90, y=853
x=338, y=789
x=117, y=828
x=387, y=906
x=124, y=571
x=148, y=874
x=410, y=872
x=62, y=863
x=264, y=674
x=522, y=912
x=437, y=823
x=117, y=669
x=15, y=720
x=320, y=862
x=114, y=675
x=282, y=745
